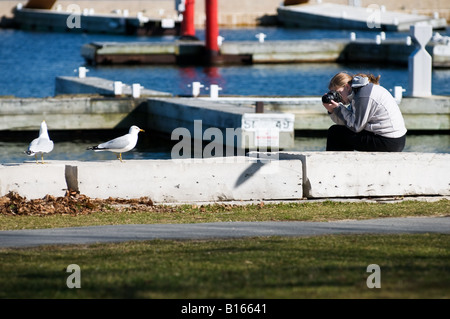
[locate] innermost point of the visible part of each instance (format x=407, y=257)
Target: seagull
x=120, y=144
x=42, y=144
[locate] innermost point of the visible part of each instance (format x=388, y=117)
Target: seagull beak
x=141, y=130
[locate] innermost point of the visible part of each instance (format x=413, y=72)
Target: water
x=30, y=62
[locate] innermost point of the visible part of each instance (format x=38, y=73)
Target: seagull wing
x=40, y=145
x=121, y=144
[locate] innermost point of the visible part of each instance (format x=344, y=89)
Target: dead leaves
x=71, y=204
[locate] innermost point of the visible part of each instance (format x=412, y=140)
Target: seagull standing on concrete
x=120, y=144
x=41, y=145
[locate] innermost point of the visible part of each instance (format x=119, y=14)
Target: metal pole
x=212, y=29
x=188, y=25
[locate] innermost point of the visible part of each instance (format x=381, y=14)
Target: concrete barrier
x=192, y=180
x=33, y=180
x=281, y=176
x=361, y=174
x=164, y=181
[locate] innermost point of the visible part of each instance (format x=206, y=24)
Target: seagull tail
x=92, y=148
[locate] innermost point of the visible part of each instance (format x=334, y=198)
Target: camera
x=332, y=95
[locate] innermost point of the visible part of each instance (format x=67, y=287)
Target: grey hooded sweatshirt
x=373, y=109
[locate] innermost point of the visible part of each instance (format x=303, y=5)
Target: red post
x=187, y=25
x=212, y=28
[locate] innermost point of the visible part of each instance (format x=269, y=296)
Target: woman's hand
x=330, y=106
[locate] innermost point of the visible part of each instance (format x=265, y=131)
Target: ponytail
x=372, y=78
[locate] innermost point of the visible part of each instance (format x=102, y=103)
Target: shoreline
x=247, y=13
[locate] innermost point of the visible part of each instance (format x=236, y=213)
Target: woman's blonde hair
x=343, y=78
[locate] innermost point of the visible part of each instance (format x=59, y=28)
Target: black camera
x=332, y=95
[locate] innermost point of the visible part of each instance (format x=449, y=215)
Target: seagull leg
x=42, y=158
x=119, y=157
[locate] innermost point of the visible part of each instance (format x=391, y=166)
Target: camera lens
x=326, y=98
x=332, y=95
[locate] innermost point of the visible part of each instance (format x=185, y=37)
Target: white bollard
x=398, y=93
x=261, y=37
x=214, y=91
x=136, y=90
x=352, y=36
x=408, y=41
x=378, y=39
x=220, y=40
x=82, y=72
x=196, y=86
x=383, y=35
x=118, y=88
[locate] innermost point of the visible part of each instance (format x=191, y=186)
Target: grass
x=298, y=211
x=412, y=266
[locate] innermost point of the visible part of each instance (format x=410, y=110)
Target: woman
x=368, y=117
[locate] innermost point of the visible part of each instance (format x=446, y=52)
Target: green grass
x=412, y=266
x=298, y=211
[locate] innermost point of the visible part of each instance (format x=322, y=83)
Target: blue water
x=30, y=62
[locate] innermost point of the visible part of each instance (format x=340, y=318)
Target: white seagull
x=120, y=144
x=42, y=144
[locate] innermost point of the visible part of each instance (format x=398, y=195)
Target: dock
x=420, y=113
x=91, y=103
x=93, y=85
x=337, y=16
x=199, y=120
x=390, y=51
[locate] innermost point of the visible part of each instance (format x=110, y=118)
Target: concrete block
x=192, y=180
x=32, y=180
x=198, y=115
x=360, y=174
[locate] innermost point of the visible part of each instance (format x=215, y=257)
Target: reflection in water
x=150, y=148
x=436, y=143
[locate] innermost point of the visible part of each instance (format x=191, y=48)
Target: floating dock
x=222, y=123
x=390, y=51
x=94, y=85
x=89, y=22
x=337, y=16
x=90, y=103
x=225, y=124
x=420, y=113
